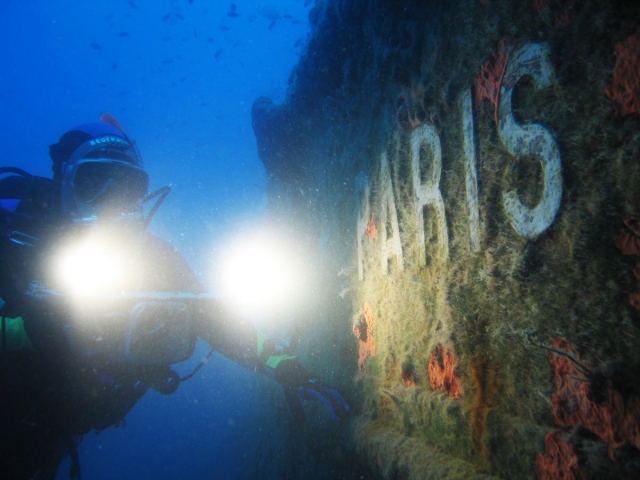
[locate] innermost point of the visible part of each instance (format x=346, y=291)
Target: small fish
x=167, y=16
x=183, y=79
x=204, y=104
x=114, y=65
x=167, y=61
x=179, y=16
x=190, y=2
x=269, y=11
x=295, y=21
x=132, y=4
x=272, y=24
x=210, y=40
x=286, y=15
x=232, y=12
x=96, y=46
x=218, y=53
x=298, y=42
x=123, y=34
x=224, y=27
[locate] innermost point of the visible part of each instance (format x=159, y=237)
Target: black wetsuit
x=58, y=390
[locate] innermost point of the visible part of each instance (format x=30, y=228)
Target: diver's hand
x=299, y=386
x=331, y=398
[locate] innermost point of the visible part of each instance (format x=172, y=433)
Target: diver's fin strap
x=198, y=367
x=74, y=471
x=270, y=353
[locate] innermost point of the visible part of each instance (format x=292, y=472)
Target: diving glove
x=300, y=386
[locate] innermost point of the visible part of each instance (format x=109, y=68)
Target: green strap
x=14, y=336
x=271, y=361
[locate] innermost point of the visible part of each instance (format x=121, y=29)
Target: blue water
x=181, y=78
x=215, y=426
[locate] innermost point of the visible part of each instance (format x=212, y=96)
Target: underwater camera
x=151, y=333
x=159, y=333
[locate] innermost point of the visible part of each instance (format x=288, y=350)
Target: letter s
x=532, y=139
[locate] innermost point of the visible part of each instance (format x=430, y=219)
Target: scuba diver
x=95, y=309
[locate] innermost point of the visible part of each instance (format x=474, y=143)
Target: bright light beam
x=259, y=275
x=89, y=268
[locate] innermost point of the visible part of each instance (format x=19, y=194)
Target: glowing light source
x=90, y=268
x=260, y=273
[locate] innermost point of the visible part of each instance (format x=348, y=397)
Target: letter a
x=389, y=241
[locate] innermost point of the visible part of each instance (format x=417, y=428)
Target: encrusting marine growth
x=441, y=372
x=628, y=242
x=604, y=411
x=363, y=330
x=372, y=230
x=558, y=460
x=625, y=88
x=488, y=83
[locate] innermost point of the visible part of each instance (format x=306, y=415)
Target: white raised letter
x=471, y=175
x=425, y=139
x=389, y=240
x=533, y=139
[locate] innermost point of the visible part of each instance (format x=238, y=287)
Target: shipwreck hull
x=467, y=174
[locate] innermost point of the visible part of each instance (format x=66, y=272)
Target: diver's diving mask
x=102, y=186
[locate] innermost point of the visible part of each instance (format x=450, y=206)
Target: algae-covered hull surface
x=467, y=173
